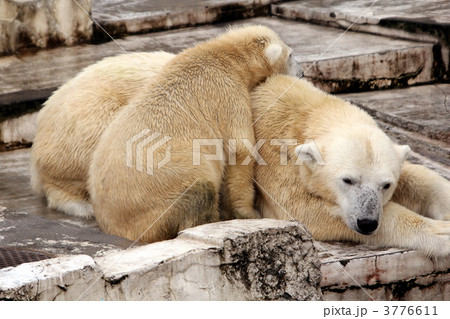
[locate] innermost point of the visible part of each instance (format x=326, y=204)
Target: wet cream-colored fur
x=419, y=189
x=202, y=93
x=343, y=189
x=74, y=118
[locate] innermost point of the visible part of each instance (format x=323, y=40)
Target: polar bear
x=351, y=184
x=73, y=119
x=145, y=181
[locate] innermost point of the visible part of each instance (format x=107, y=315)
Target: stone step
x=123, y=17
x=361, y=272
x=418, y=116
x=345, y=12
x=356, y=61
x=407, y=19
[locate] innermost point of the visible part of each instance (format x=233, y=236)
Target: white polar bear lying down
x=329, y=200
x=348, y=185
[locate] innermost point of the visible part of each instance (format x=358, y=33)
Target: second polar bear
x=73, y=119
x=145, y=183
x=345, y=181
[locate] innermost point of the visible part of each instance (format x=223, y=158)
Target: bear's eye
x=347, y=181
x=387, y=185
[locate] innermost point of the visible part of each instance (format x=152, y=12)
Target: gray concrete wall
x=43, y=23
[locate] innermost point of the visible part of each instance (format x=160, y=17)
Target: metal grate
x=13, y=256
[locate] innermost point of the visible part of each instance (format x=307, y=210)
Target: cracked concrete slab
x=242, y=260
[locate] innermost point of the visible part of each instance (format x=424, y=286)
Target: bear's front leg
x=239, y=173
x=423, y=191
x=401, y=227
x=241, y=192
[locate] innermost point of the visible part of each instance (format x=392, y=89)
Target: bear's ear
x=273, y=53
x=403, y=151
x=309, y=154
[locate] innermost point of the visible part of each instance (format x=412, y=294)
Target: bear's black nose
x=367, y=226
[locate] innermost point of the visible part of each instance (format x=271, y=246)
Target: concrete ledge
x=234, y=260
x=64, y=278
x=378, y=70
x=360, y=272
x=406, y=20
x=43, y=23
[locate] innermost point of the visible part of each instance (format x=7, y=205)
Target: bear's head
x=356, y=170
x=264, y=51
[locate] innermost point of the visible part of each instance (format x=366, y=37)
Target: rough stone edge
x=62, y=278
x=374, y=273
x=212, y=243
x=274, y=267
